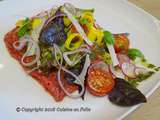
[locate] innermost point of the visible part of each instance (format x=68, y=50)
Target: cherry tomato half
x=99, y=82
x=121, y=43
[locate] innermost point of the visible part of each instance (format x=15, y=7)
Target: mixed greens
x=68, y=41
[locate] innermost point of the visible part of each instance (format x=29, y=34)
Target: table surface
x=150, y=110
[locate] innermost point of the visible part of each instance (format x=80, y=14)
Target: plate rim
x=157, y=22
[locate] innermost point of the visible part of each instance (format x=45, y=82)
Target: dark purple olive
x=53, y=32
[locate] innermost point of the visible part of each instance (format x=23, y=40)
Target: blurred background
x=151, y=110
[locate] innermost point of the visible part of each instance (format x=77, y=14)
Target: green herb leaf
x=92, y=56
x=157, y=69
x=151, y=66
x=134, y=83
x=108, y=37
x=133, y=53
x=84, y=21
x=140, y=78
x=107, y=58
x=25, y=28
x=22, y=31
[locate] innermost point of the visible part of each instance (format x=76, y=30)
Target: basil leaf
x=124, y=94
x=108, y=37
x=133, y=53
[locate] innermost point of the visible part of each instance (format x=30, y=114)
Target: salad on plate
x=69, y=53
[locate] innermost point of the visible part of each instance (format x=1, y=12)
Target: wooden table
x=151, y=110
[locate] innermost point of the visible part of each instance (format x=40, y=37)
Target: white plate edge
x=157, y=22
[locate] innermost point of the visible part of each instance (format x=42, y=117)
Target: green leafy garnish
x=84, y=21
x=107, y=58
x=134, y=83
x=92, y=55
x=151, y=66
x=140, y=78
x=133, y=53
x=157, y=68
x=109, y=38
x=46, y=58
x=46, y=55
x=145, y=63
x=101, y=53
x=25, y=28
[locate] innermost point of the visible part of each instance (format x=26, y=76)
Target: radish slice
x=129, y=70
x=123, y=59
x=116, y=72
x=140, y=70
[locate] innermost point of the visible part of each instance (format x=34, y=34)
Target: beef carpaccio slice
x=49, y=83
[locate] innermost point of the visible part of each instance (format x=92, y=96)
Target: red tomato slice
x=99, y=82
x=121, y=43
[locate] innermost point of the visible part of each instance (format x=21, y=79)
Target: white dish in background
x=19, y=90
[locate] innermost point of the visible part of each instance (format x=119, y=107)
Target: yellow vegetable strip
x=89, y=17
x=78, y=27
x=95, y=34
x=36, y=22
x=69, y=42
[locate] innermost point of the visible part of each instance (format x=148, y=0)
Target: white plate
x=19, y=90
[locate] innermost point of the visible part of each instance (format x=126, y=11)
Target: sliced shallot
x=100, y=65
x=129, y=69
x=78, y=79
x=31, y=45
x=113, y=55
x=72, y=63
x=122, y=58
x=52, y=18
x=116, y=72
